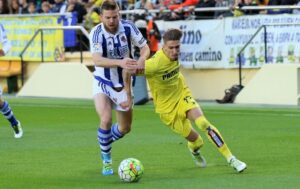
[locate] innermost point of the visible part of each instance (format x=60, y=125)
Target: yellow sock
x=214, y=136
x=197, y=144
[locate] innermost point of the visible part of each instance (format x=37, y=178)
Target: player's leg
x=9, y=115
x=211, y=132
x=124, y=116
x=123, y=125
x=103, y=107
x=182, y=126
x=215, y=137
x=195, y=142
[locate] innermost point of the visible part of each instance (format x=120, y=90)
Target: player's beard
x=112, y=29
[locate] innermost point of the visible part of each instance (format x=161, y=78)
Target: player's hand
x=128, y=63
x=131, y=71
x=126, y=104
x=140, y=66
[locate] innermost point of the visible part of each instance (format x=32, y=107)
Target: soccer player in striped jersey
x=4, y=106
x=111, y=43
x=177, y=107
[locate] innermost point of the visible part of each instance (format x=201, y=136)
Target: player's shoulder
x=158, y=56
x=96, y=32
x=97, y=29
x=155, y=59
x=130, y=24
x=127, y=23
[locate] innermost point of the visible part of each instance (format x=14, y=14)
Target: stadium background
x=209, y=53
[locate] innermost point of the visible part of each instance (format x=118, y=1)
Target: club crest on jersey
x=123, y=40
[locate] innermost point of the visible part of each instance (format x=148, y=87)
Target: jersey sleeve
x=95, y=39
x=6, y=45
x=137, y=37
x=150, y=67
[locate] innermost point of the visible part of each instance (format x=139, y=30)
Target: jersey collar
x=120, y=30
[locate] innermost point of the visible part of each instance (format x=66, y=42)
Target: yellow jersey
x=165, y=81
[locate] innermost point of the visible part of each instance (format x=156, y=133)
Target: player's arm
x=139, y=41
x=101, y=61
x=97, y=54
x=127, y=87
x=6, y=45
x=145, y=52
x=127, y=73
x=139, y=68
x=145, y=67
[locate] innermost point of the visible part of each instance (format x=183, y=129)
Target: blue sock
x=116, y=134
x=105, y=140
x=8, y=114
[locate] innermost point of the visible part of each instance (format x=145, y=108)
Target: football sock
x=116, y=134
x=8, y=114
x=196, y=145
x=105, y=140
x=214, y=136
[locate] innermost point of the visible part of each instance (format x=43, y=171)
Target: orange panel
x=15, y=67
x=4, y=66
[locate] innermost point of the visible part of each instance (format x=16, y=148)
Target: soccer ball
x=130, y=170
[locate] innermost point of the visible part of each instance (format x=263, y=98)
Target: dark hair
x=172, y=35
x=109, y=5
x=5, y=8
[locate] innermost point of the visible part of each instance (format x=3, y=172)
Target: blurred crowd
x=88, y=10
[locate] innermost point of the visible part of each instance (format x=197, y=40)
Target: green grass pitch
x=59, y=149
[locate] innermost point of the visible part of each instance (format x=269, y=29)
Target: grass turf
x=59, y=149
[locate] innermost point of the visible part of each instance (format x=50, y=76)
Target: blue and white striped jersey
x=114, y=46
x=5, y=43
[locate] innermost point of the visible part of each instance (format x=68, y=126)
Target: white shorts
x=1, y=91
x=115, y=96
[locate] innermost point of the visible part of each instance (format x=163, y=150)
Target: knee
x=202, y=123
x=124, y=129
x=1, y=103
x=106, y=122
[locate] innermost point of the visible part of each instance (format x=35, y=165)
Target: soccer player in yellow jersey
x=174, y=102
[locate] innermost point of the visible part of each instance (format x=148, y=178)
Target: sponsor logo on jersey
x=171, y=74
